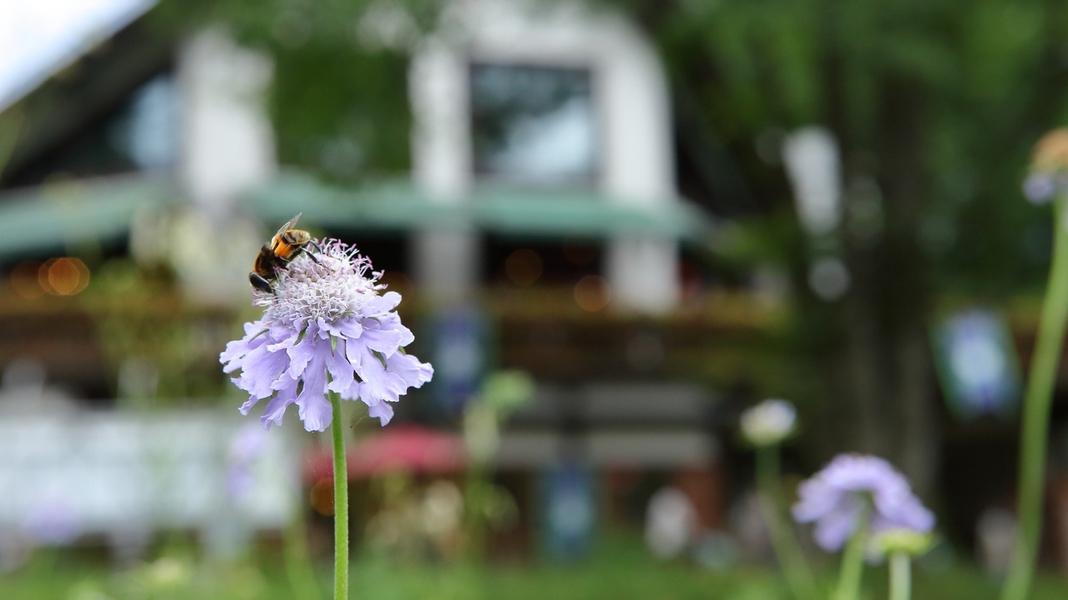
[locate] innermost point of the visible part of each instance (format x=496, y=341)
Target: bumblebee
x=284, y=247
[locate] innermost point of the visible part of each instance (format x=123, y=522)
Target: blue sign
x=977, y=364
x=460, y=357
x=570, y=511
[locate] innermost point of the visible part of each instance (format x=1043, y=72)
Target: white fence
x=127, y=475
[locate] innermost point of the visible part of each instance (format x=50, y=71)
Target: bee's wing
x=289, y=225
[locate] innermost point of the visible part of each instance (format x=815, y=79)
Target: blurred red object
x=407, y=448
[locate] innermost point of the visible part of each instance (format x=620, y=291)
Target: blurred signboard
x=460, y=357
x=569, y=511
x=977, y=364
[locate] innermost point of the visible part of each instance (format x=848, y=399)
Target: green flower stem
x=298, y=565
x=475, y=491
x=341, y=503
x=798, y=576
x=1035, y=427
x=900, y=576
x=853, y=560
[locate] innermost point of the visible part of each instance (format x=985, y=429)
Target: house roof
x=39, y=38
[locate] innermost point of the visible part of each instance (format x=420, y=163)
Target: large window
x=533, y=125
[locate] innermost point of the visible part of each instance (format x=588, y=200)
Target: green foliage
x=341, y=112
x=170, y=353
x=339, y=98
x=619, y=569
x=987, y=77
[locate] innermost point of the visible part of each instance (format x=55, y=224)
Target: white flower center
x=328, y=285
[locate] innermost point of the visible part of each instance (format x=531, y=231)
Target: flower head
x=769, y=422
x=326, y=328
x=1039, y=188
x=834, y=497
x=1049, y=165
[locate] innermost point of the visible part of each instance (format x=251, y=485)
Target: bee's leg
x=317, y=249
x=260, y=283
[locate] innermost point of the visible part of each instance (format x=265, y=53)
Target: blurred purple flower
x=1039, y=187
x=52, y=522
x=246, y=446
x=833, y=499
x=325, y=328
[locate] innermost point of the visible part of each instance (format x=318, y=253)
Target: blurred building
x=541, y=229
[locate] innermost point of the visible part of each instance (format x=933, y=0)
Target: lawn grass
x=617, y=571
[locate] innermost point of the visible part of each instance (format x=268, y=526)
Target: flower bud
x=769, y=422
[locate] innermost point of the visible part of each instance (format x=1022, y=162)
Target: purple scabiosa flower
x=833, y=498
x=326, y=328
x=1039, y=188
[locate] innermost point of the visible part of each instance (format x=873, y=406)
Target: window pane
x=533, y=125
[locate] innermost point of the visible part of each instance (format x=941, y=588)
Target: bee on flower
x=327, y=327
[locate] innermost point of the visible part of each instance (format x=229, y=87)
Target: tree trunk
x=906, y=293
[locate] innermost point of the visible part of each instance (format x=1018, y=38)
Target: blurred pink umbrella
x=406, y=448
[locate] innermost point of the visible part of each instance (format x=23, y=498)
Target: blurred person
x=670, y=523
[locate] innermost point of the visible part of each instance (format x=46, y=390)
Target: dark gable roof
x=78, y=97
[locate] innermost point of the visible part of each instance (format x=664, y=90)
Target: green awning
x=58, y=216
x=531, y=212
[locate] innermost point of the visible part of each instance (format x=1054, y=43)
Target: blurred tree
x=935, y=105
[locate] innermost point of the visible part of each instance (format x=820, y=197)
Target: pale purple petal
x=262, y=368
x=314, y=408
x=350, y=328
x=231, y=357
x=409, y=369
x=247, y=406
x=392, y=321
x=341, y=371
x=302, y=353
x=381, y=340
x=834, y=529
x=287, y=339
x=276, y=408
x=355, y=350
x=381, y=411
x=381, y=304
x=815, y=498
x=378, y=383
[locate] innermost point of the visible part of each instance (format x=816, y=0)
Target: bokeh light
x=523, y=267
x=321, y=497
x=63, y=276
